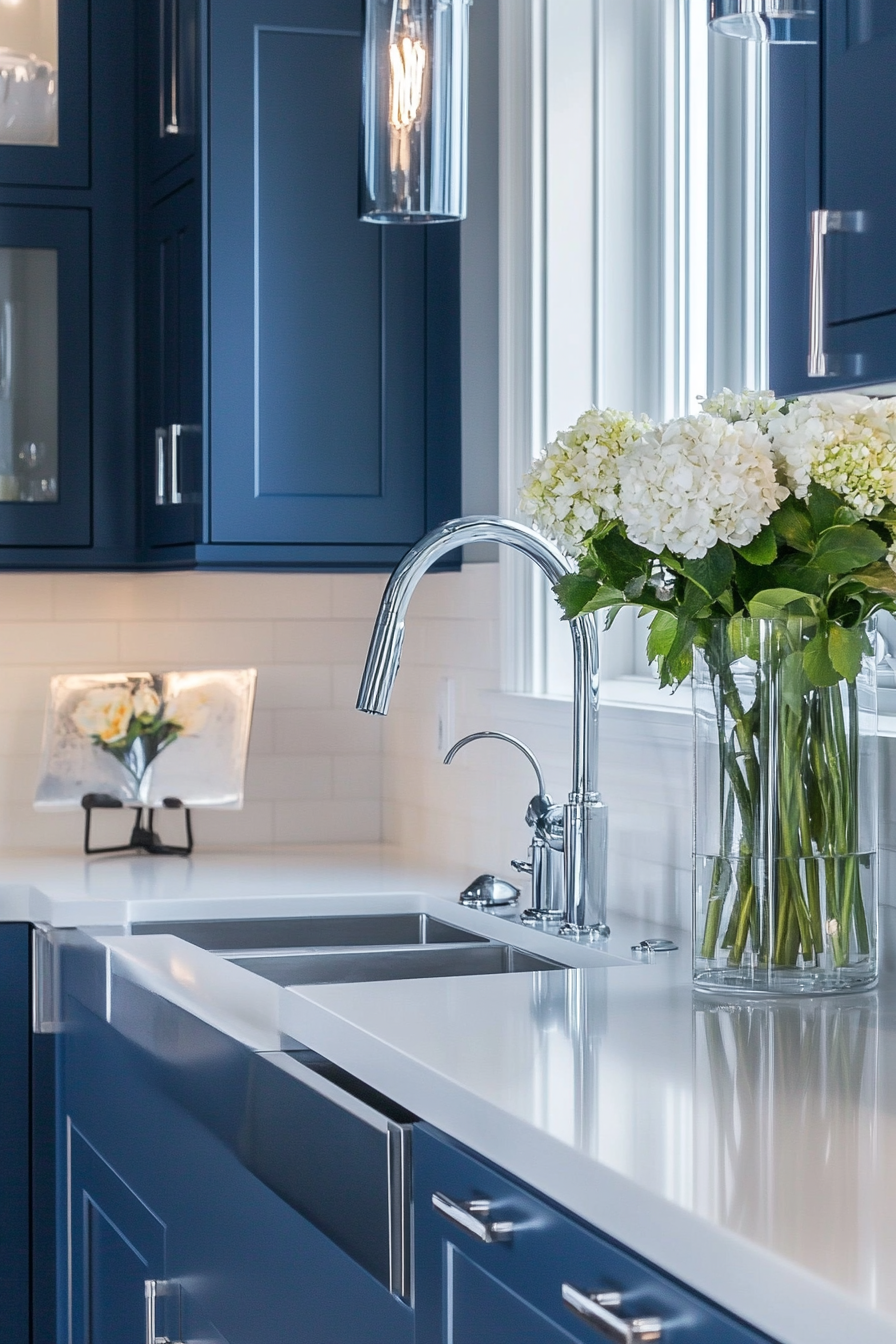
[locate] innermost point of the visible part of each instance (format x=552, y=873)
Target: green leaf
x=635, y=587
x=663, y=629
x=604, y=597
x=793, y=524
x=799, y=574
x=880, y=577
x=620, y=558
x=694, y=600
x=677, y=663
x=713, y=572
x=845, y=649
x=573, y=591
x=773, y=602
x=817, y=662
x=823, y=507
x=845, y=516
x=840, y=550
x=762, y=550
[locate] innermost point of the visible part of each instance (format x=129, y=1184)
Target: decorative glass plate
x=143, y=737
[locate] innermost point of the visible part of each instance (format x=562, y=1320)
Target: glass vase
x=785, y=812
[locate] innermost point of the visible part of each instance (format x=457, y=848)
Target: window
x=633, y=239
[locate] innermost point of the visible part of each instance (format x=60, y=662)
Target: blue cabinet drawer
x=539, y=1268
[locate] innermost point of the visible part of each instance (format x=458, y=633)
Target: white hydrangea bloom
x=697, y=481
x=574, y=485
x=843, y=441
x=763, y=407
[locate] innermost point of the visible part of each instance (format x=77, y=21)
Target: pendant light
x=414, y=108
x=766, y=20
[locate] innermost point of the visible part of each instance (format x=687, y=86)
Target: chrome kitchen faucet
x=584, y=815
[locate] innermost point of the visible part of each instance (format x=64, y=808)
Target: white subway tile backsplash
x=196, y=643
x=330, y=641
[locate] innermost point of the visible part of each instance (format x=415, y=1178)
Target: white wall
x=314, y=762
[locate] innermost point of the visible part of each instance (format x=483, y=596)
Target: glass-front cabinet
x=44, y=95
x=44, y=377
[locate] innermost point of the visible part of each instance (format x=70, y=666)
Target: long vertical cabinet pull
x=169, y=468
x=162, y=465
x=818, y=360
x=821, y=223
x=169, y=72
x=154, y=1289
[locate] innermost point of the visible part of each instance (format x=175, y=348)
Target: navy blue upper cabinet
x=833, y=148
x=169, y=76
x=45, y=102
x=859, y=182
x=333, y=345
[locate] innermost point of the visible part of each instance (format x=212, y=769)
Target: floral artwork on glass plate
x=142, y=737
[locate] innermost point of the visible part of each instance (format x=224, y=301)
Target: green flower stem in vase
x=785, y=813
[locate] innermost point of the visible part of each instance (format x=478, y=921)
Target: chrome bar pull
x=818, y=360
x=154, y=1289
x=599, y=1311
x=176, y=494
x=169, y=83
x=473, y=1217
x=821, y=223
x=162, y=465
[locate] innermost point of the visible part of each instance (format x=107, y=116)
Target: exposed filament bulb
x=407, y=60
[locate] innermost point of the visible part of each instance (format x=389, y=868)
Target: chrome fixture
x=794, y=21
x=154, y=1291
x=648, y=946
x=544, y=865
x=472, y=1216
x=599, y=1310
x=487, y=892
x=584, y=815
x=821, y=223
x=414, y=100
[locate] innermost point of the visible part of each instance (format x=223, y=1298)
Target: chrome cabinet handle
x=472, y=1216
x=176, y=495
x=597, y=1309
x=6, y=352
x=153, y=1290
x=821, y=223
x=169, y=114
x=161, y=465
x=818, y=360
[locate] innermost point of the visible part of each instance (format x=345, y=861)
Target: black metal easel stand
x=143, y=835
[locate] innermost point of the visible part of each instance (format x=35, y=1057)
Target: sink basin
x=312, y=931
x=392, y=963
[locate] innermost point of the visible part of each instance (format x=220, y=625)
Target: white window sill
x=641, y=695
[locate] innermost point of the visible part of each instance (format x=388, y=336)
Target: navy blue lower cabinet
x=15, y=1122
x=162, y=1191
x=534, y=1279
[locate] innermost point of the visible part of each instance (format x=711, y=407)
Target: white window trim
x=523, y=313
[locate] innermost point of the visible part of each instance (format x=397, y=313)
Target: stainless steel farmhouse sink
x=346, y=949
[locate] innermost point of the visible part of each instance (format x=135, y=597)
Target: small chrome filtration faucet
x=545, y=820
x=584, y=815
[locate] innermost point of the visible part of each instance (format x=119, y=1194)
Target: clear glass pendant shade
x=414, y=168
x=766, y=20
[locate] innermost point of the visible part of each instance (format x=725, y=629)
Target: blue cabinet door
x=169, y=83
x=62, y=289
x=171, y=366
x=859, y=175
x=65, y=163
x=329, y=340
x=15, y=1122
x=511, y=1290
x=117, y=1244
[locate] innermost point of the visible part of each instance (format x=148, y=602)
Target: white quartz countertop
x=749, y=1149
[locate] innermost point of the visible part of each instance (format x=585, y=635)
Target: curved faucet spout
x=584, y=816
x=385, y=646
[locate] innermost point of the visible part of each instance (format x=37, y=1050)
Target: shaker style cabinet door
x=15, y=1123
x=495, y=1262
x=171, y=362
x=44, y=93
x=117, y=1244
x=45, y=377
x=858, y=188
x=318, y=337
x=169, y=70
